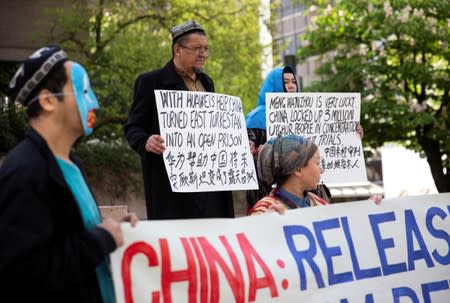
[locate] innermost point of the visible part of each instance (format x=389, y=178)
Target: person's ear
x=298, y=172
x=47, y=100
x=176, y=49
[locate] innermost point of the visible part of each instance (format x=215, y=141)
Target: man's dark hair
x=54, y=82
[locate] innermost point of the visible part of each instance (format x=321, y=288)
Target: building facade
x=26, y=25
x=290, y=23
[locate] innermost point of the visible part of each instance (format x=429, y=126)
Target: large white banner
x=328, y=119
x=397, y=252
x=206, y=141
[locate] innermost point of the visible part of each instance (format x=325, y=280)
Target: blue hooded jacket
x=272, y=84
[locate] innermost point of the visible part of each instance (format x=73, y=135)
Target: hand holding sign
x=360, y=131
x=155, y=144
x=205, y=140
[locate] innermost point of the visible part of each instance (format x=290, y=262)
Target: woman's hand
x=376, y=198
x=276, y=207
x=252, y=146
x=360, y=131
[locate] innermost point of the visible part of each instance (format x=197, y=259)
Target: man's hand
x=113, y=228
x=155, y=144
x=132, y=218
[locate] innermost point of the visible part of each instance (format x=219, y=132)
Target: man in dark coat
x=183, y=72
x=53, y=245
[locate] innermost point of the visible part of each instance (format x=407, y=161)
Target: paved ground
x=240, y=205
x=136, y=203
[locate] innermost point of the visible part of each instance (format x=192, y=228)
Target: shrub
x=110, y=166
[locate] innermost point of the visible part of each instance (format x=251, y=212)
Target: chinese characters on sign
x=328, y=119
x=206, y=141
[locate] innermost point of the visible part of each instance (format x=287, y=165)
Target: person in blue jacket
x=279, y=80
x=54, y=246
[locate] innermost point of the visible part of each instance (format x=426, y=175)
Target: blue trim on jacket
x=46, y=253
x=272, y=84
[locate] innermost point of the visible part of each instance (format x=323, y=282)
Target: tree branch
x=98, y=25
x=122, y=26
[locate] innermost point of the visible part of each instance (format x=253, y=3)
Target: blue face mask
x=86, y=100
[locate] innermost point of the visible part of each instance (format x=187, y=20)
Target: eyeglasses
x=198, y=49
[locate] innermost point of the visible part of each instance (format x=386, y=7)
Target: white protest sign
x=330, y=120
x=206, y=141
x=398, y=251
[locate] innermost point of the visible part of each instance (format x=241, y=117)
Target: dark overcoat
x=46, y=253
x=161, y=201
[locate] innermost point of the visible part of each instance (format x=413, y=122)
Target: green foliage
x=396, y=54
x=112, y=167
x=12, y=117
x=117, y=40
x=12, y=127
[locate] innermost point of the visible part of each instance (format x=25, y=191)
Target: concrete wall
x=26, y=25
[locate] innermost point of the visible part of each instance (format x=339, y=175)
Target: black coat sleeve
x=39, y=245
x=139, y=125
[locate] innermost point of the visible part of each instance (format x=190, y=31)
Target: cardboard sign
x=206, y=140
x=328, y=119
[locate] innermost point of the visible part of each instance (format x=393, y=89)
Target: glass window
x=288, y=8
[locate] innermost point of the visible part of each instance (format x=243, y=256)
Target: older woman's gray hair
x=281, y=156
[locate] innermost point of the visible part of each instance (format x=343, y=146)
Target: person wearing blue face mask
x=54, y=246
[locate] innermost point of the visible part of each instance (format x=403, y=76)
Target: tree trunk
x=432, y=151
